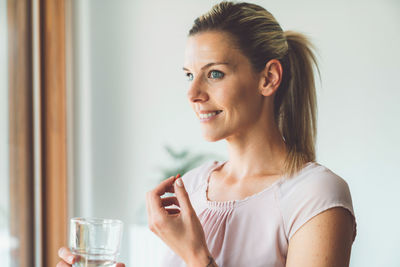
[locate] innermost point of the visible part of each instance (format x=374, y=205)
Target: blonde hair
x=260, y=37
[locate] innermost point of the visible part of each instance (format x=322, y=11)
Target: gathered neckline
x=237, y=202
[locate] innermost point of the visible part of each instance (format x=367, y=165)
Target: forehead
x=206, y=47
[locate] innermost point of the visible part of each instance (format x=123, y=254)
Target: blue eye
x=189, y=76
x=215, y=74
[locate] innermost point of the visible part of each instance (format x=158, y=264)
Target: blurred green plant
x=182, y=162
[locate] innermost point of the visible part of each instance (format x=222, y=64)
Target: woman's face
x=223, y=87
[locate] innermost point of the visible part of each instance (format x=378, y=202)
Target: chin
x=212, y=137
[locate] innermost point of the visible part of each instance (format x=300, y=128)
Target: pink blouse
x=255, y=231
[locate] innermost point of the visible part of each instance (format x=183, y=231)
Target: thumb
x=182, y=196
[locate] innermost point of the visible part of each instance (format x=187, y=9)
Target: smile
x=209, y=116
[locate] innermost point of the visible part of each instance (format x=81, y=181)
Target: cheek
x=232, y=94
x=245, y=97
x=234, y=105
x=248, y=103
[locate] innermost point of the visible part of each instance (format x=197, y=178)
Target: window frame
x=37, y=130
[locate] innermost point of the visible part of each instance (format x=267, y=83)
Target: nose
x=197, y=91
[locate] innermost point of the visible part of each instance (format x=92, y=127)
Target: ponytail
x=296, y=105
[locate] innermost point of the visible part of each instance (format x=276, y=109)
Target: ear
x=271, y=77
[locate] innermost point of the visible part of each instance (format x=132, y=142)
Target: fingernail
x=71, y=259
x=178, y=176
x=179, y=182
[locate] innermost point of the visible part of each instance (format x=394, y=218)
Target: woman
x=270, y=203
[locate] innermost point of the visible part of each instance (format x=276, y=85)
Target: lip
x=209, y=118
x=207, y=111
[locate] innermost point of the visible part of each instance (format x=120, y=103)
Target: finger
x=66, y=255
x=168, y=201
x=171, y=188
x=161, y=189
x=155, y=207
x=63, y=264
x=172, y=211
x=150, y=213
x=183, y=196
x=120, y=265
x=154, y=199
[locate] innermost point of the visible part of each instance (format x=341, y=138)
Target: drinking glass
x=95, y=242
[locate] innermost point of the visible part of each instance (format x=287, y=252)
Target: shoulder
x=312, y=191
x=315, y=180
x=194, y=178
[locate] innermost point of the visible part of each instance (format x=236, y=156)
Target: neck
x=260, y=151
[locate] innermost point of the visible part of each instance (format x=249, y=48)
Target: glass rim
x=95, y=220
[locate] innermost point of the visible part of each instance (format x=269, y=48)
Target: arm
x=324, y=241
x=203, y=259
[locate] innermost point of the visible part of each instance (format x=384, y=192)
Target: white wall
x=132, y=55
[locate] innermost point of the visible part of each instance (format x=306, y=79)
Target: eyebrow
x=210, y=64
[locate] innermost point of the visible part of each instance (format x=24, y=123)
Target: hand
x=68, y=258
x=180, y=228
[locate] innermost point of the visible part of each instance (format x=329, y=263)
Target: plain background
x=128, y=100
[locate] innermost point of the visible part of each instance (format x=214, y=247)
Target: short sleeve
x=309, y=195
